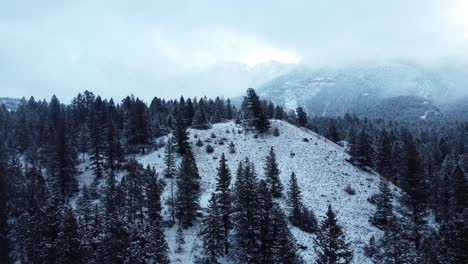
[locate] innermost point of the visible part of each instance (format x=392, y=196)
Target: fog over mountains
x=376, y=90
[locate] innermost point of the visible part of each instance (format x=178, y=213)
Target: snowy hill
x=318, y=163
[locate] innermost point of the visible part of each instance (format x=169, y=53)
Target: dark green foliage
x=397, y=249
x=384, y=212
x=97, y=137
x=361, y=149
x=209, y=149
x=232, y=148
x=384, y=163
x=180, y=133
x=272, y=173
x=301, y=117
x=247, y=219
x=69, y=239
x=180, y=239
x=224, y=199
x=188, y=191
x=199, y=143
x=299, y=215
x=4, y=243
x=200, y=121
x=332, y=245
x=333, y=133
x=254, y=113
x=284, y=248
x=212, y=233
x=276, y=132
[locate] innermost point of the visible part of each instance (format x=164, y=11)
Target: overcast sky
x=161, y=48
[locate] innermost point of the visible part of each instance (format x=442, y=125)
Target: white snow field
x=319, y=164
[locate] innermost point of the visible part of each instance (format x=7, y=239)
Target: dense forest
x=118, y=219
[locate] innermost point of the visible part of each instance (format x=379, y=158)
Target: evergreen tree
x=396, y=247
x=384, y=212
x=272, y=175
x=384, y=163
x=255, y=114
x=158, y=249
x=299, y=216
x=188, y=191
x=180, y=239
x=414, y=184
x=4, y=243
x=294, y=197
x=333, y=133
x=97, y=137
x=247, y=219
x=223, y=188
x=229, y=114
x=70, y=245
x=266, y=236
x=279, y=113
x=212, y=233
x=458, y=193
x=361, y=149
x=284, y=246
x=301, y=117
x=180, y=132
x=200, y=120
x=153, y=193
x=454, y=240
x=331, y=242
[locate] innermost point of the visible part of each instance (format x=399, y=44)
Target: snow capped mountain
x=320, y=165
x=361, y=88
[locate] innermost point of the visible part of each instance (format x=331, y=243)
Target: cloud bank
x=169, y=48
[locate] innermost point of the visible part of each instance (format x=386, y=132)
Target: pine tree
x=223, y=188
x=299, y=216
x=272, y=173
x=180, y=239
x=396, y=247
x=200, y=120
x=301, y=117
x=384, y=163
x=246, y=218
x=284, y=248
x=158, y=249
x=180, y=132
x=362, y=149
x=331, y=242
x=257, y=116
x=153, y=194
x=229, y=114
x=97, y=137
x=333, y=133
x=266, y=236
x=454, y=238
x=4, y=243
x=294, y=198
x=458, y=193
x=384, y=212
x=212, y=233
x=138, y=245
x=188, y=191
x=170, y=172
x=414, y=184
x=70, y=245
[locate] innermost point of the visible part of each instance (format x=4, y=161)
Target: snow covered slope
x=319, y=165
